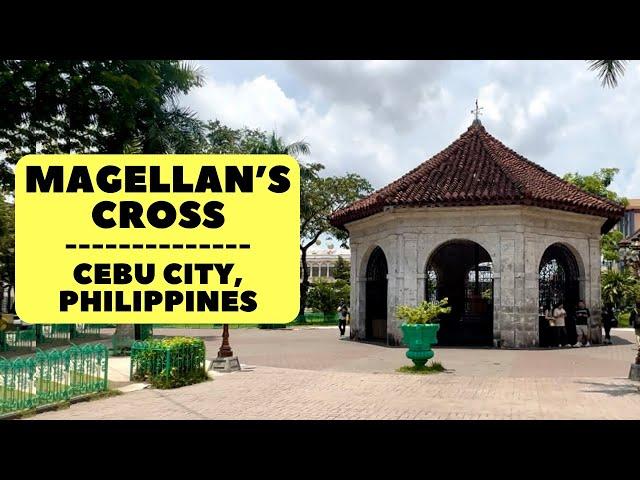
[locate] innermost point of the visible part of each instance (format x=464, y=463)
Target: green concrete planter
x=419, y=338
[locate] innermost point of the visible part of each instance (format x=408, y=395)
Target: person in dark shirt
x=634, y=316
x=582, y=325
x=342, y=321
x=608, y=320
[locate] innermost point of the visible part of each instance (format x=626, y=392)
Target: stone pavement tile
x=273, y=393
x=321, y=349
x=310, y=374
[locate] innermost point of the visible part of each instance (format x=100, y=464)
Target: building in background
x=630, y=223
x=321, y=259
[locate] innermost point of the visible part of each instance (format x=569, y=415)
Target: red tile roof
x=476, y=170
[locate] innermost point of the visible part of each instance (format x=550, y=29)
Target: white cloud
x=382, y=118
x=257, y=103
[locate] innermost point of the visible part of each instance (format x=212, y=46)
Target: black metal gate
x=461, y=270
x=376, y=296
x=559, y=282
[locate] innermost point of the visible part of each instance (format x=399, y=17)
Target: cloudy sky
x=382, y=118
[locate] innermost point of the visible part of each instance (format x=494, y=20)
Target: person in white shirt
x=559, y=317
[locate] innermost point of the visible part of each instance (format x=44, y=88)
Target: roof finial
x=476, y=111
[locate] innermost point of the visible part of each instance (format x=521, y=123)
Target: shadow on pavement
x=613, y=390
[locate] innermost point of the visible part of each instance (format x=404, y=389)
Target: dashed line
x=151, y=246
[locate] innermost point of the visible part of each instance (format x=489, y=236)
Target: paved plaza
x=309, y=373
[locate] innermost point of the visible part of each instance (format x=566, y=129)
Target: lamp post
x=225, y=361
x=225, y=348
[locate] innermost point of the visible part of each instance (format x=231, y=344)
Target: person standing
x=634, y=316
x=582, y=325
x=342, y=321
x=608, y=321
x=559, y=318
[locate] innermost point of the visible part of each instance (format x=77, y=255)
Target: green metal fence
x=168, y=363
x=35, y=335
x=48, y=333
x=25, y=338
x=82, y=330
x=52, y=376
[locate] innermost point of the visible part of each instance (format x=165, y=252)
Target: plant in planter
x=420, y=328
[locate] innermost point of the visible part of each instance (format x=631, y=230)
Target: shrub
x=426, y=312
x=326, y=296
x=170, y=362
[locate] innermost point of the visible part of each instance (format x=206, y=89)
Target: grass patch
x=433, y=367
x=623, y=320
x=63, y=404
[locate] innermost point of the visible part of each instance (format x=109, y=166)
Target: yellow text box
x=157, y=238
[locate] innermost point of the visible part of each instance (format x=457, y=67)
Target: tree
x=112, y=106
x=7, y=250
x=608, y=71
x=620, y=288
x=275, y=145
x=319, y=198
x=328, y=296
x=342, y=270
x=64, y=106
x=223, y=139
x=598, y=184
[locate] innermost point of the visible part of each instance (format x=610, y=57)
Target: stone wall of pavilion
x=515, y=237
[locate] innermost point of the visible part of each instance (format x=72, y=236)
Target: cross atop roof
x=476, y=111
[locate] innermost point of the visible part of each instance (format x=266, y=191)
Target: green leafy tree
x=319, y=198
x=609, y=245
x=275, y=145
x=64, y=106
x=620, y=288
x=7, y=250
x=110, y=106
x=343, y=291
x=342, y=270
x=326, y=296
x=223, y=139
x=598, y=184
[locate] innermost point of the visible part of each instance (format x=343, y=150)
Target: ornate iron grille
x=559, y=277
x=478, y=289
x=377, y=265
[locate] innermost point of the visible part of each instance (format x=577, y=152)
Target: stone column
x=358, y=292
x=395, y=287
x=409, y=271
x=507, y=291
x=531, y=307
x=593, y=266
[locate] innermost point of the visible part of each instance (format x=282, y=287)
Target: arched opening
x=559, y=282
x=462, y=271
x=376, y=296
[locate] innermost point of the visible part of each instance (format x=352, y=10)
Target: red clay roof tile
x=477, y=169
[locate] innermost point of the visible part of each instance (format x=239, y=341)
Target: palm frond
x=298, y=148
x=133, y=147
x=608, y=71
